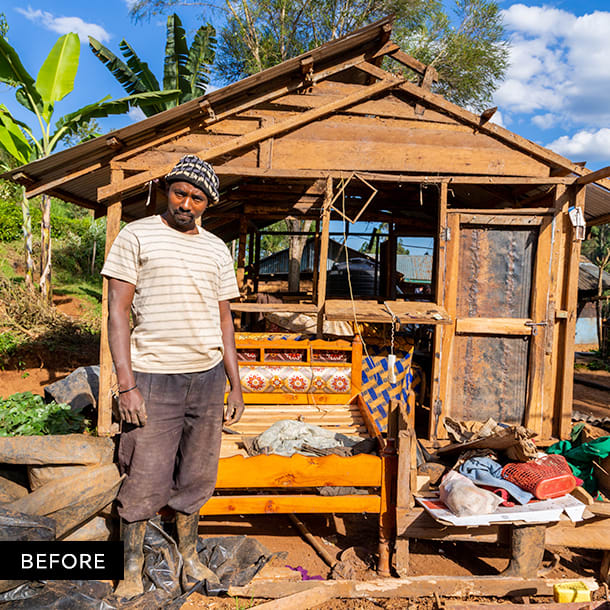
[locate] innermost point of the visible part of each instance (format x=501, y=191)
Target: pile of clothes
x=500, y=465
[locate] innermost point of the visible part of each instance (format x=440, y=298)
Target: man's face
x=185, y=203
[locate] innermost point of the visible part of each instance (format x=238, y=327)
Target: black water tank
x=362, y=275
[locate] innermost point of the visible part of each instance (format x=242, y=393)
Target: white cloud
x=594, y=145
x=559, y=66
x=64, y=25
x=131, y=3
x=136, y=114
x=546, y=121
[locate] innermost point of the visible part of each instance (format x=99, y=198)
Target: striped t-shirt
x=179, y=280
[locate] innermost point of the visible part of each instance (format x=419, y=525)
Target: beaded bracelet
x=125, y=391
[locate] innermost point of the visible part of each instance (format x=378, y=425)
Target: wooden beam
x=241, y=252
x=577, y=198
x=256, y=136
x=604, y=172
x=267, y=307
x=104, y=403
x=439, y=272
x=313, y=174
x=502, y=219
x=493, y=326
x=363, y=470
x=441, y=402
x=322, y=275
x=554, y=356
x=538, y=403
x=42, y=186
x=303, y=600
x=509, y=211
x=283, y=504
x=414, y=587
x=412, y=63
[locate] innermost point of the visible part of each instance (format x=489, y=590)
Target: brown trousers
x=173, y=459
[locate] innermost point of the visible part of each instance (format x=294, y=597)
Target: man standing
x=176, y=279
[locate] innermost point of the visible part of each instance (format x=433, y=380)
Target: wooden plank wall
x=384, y=134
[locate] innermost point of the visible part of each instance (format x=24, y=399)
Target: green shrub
x=8, y=345
x=10, y=221
x=26, y=414
x=73, y=253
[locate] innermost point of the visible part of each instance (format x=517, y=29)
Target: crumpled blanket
x=287, y=437
x=485, y=471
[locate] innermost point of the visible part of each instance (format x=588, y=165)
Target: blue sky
x=556, y=91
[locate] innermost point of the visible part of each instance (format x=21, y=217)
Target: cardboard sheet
x=539, y=511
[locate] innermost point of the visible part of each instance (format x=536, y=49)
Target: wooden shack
x=333, y=135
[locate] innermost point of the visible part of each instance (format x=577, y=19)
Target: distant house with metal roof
x=586, y=322
x=277, y=263
x=415, y=269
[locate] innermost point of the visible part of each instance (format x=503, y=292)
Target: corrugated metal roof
x=588, y=276
x=415, y=269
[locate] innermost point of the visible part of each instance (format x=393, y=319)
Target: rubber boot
x=186, y=531
x=132, y=535
x=527, y=550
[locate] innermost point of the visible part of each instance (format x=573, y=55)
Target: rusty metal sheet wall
x=489, y=378
x=489, y=374
x=495, y=272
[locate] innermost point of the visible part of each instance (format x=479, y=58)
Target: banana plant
x=55, y=80
x=185, y=72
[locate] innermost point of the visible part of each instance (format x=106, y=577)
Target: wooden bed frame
x=259, y=484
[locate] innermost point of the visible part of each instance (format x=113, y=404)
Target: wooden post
x=554, y=327
x=104, y=403
x=321, y=288
x=577, y=198
x=406, y=482
x=440, y=401
x=316, y=262
x=387, y=516
x=440, y=263
x=539, y=404
x=241, y=252
x=257, y=260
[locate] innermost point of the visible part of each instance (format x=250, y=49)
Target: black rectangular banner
x=61, y=560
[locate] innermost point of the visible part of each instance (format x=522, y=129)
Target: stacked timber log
x=70, y=479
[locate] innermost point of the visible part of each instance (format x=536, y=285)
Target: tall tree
x=54, y=81
x=185, y=70
x=3, y=26
x=465, y=43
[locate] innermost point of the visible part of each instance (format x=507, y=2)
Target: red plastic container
x=546, y=477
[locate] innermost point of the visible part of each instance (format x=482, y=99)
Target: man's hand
x=235, y=407
x=132, y=407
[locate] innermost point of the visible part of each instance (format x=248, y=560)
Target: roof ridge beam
x=253, y=137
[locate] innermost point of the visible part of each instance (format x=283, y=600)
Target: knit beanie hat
x=197, y=172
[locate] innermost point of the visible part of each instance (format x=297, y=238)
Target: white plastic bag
x=462, y=497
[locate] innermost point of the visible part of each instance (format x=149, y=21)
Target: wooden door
x=496, y=290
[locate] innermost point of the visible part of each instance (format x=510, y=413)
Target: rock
x=79, y=389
